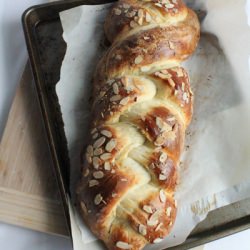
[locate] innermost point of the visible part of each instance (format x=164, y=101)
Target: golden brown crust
x=154, y=47
x=128, y=15
x=142, y=106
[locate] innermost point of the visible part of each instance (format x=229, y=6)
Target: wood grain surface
x=29, y=196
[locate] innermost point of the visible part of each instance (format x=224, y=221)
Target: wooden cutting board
x=29, y=196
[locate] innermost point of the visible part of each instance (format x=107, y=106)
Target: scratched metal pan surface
x=46, y=48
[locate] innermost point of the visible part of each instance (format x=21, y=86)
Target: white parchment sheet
x=215, y=168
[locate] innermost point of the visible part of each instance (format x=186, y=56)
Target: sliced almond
x=117, y=12
x=133, y=24
x=140, y=13
x=115, y=88
x=168, y=211
x=98, y=199
x=153, y=219
x=138, y=59
x=111, y=145
x=86, y=172
x=162, y=177
x=124, y=101
x=184, y=96
x=89, y=158
x=107, y=166
x=140, y=20
x=106, y=133
x=123, y=245
x=98, y=151
x=93, y=183
x=179, y=72
x=101, y=95
x=169, y=6
x=163, y=157
x=142, y=229
x=98, y=174
x=96, y=162
x=84, y=208
x=129, y=14
x=106, y=156
x=95, y=136
x=183, y=86
x=147, y=209
x=118, y=57
x=165, y=1
x=115, y=98
x=158, y=227
x=162, y=196
x=158, y=5
x=171, y=82
x=159, y=123
x=94, y=130
x=99, y=142
x=132, y=13
x=90, y=150
x=165, y=72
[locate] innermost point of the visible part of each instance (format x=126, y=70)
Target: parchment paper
x=215, y=168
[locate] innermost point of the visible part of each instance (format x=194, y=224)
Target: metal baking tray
x=46, y=49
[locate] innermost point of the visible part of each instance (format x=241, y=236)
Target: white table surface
x=13, y=56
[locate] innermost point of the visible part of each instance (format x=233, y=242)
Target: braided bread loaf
x=141, y=109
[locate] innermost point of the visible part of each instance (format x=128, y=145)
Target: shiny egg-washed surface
x=141, y=109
